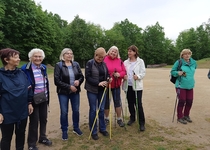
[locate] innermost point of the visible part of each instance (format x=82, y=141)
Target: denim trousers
x=7, y=132
x=96, y=101
x=64, y=99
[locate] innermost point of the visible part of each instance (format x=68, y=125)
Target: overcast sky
x=174, y=15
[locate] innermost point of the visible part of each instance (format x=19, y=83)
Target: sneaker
x=187, y=118
x=77, y=132
x=130, y=122
x=106, y=122
x=65, y=135
x=104, y=133
x=46, y=142
x=120, y=123
x=95, y=136
x=182, y=120
x=32, y=148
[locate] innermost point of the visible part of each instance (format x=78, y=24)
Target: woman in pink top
x=117, y=72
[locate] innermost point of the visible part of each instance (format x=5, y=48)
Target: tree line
x=25, y=25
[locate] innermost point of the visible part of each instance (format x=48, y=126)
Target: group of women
x=106, y=68
x=21, y=87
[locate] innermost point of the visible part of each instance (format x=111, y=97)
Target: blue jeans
x=94, y=102
x=64, y=108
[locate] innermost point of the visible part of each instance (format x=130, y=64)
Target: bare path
x=158, y=101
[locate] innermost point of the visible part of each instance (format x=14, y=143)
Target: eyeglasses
x=68, y=53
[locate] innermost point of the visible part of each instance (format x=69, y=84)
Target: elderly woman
x=68, y=78
x=15, y=100
x=37, y=76
x=96, y=75
x=184, y=85
x=117, y=71
x=133, y=84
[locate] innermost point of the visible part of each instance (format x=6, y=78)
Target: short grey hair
x=35, y=50
x=65, y=50
x=115, y=48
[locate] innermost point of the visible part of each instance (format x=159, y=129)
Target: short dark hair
x=7, y=53
x=135, y=49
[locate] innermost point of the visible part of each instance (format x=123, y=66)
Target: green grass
x=49, y=67
x=203, y=63
x=155, y=137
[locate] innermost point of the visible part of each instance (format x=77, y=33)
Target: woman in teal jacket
x=184, y=85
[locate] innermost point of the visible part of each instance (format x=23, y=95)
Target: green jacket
x=188, y=81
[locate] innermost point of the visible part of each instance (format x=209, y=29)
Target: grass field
x=203, y=63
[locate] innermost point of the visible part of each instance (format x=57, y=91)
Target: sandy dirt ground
x=158, y=101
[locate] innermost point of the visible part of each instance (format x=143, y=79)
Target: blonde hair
x=115, y=48
x=185, y=51
x=65, y=50
x=100, y=52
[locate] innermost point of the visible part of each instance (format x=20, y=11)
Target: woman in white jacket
x=133, y=85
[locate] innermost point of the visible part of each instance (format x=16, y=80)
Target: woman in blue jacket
x=15, y=100
x=184, y=85
x=37, y=75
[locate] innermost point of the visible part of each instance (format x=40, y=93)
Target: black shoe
x=130, y=122
x=95, y=136
x=32, y=148
x=105, y=133
x=120, y=123
x=187, y=118
x=142, y=128
x=182, y=120
x=46, y=142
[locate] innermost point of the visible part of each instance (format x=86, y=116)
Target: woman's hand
x=1, y=118
x=73, y=88
x=103, y=83
x=126, y=77
x=30, y=109
x=135, y=77
x=76, y=83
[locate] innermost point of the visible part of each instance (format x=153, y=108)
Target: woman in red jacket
x=117, y=71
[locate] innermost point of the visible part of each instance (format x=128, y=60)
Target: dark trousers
x=185, y=102
x=39, y=115
x=131, y=97
x=7, y=132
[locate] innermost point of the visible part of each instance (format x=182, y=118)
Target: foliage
x=24, y=26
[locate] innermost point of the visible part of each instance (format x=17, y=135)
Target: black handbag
x=40, y=98
x=173, y=79
x=208, y=75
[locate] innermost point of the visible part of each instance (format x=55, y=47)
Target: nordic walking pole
x=115, y=96
x=110, y=113
x=122, y=114
x=97, y=112
x=126, y=101
x=174, y=108
x=137, y=106
x=178, y=92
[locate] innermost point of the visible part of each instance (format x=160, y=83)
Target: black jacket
x=62, y=79
x=92, y=75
